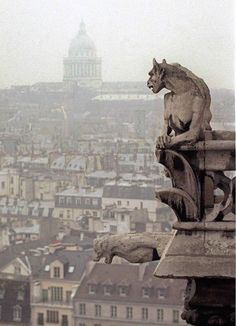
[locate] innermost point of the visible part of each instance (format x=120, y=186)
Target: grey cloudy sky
x=199, y=34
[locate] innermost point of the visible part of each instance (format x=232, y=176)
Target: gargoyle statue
x=134, y=247
x=186, y=107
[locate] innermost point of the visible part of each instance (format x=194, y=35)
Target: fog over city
x=97, y=170
x=35, y=36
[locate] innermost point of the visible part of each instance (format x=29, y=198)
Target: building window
x=40, y=319
x=129, y=313
x=61, y=200
x=52, y=316
x=161, y=293
x=82, y=309
x=0, y=312
x=17, y=312
x=113, y=311
x=64, y=320
x=127, y=203
x=78, y=201
x=3, y=184
x=92, y=288
x=122, y=218
x=144, y=313
x=98, y=310
x=107, y=290
x=95, y=214
x=160, y=314
x=123, y=291
x=82, y=324
x=57, y=294
x=145, y=292
x=12, y=180
x=56, y=272
x=119, y=202
x=175, y=316
x=68, y=213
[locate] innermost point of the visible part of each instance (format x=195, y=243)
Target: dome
x=82, y=44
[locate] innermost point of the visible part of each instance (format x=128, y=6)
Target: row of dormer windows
x=147, y=292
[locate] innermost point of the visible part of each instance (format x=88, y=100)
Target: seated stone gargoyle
x=186, y=107
x=134, y=247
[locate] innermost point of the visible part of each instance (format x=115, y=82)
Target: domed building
x=82, y=64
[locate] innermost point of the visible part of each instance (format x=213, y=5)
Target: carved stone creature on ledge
x=186, y=107
x=134, y=247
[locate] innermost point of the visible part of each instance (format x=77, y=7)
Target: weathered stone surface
x=134, y=247
x=193, y=243
x=220, y=244
x=205, y=226
x=200, y=250
x=198, y=266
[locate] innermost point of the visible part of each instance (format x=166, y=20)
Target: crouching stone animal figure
x=186, y=107
x=134, y=247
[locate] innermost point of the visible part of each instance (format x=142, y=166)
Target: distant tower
x=82, y=64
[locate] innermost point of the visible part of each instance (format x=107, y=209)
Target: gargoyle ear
x=164, y=61
x=156, y=65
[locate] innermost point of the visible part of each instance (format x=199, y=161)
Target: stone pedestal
x=202, y=249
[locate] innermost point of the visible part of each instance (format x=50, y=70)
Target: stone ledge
x=205, y=226
x=190, y=267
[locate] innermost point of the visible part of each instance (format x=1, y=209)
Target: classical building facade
x=82, y=64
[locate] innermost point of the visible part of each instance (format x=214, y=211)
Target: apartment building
x=127, y=295
x=131, y=196
x=52, y=289
x=72, y=204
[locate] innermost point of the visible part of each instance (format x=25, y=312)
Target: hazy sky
x=199, y=34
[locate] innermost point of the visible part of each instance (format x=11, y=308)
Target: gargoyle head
x=155, y=82
x=100, y=247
